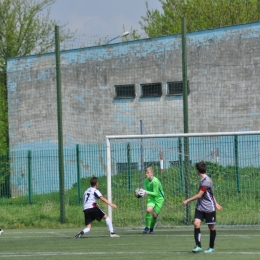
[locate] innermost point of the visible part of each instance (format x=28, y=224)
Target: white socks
x=86, y=230
x=109, y=225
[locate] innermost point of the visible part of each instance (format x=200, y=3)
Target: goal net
x=233, y=163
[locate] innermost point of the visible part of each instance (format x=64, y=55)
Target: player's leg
x=148, y=217
x=88, y=220
x=153, y=222
x=197, y=234
x=84, y=231
x=156, y=210
x=210, y=220
x=110, y=226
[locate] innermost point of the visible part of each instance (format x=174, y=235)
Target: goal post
x=233, y=160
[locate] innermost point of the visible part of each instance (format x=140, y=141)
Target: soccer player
x=1, y=231
x=153, y=188
x=92, y=211
x=205, y=208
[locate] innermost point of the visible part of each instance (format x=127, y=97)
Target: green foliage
x=3, y=114
x=199, y=14
x=5, y=176
x=26, y=29
x=237, y=190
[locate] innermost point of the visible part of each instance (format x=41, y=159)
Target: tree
x=199, y=14
x=25, y=28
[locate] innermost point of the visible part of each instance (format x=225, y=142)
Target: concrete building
x=136, y=87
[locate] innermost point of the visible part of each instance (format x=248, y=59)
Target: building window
x=177, y=163
x=151, y=164
x=176, y=88
x=123, y=167
x=125, y=91
x=151, y=90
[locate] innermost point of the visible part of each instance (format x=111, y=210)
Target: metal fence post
x=78, y=174
x=30, y=176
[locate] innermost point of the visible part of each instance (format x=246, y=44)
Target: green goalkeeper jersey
x=155, y=189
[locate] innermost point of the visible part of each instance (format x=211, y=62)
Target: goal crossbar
x=109, y=137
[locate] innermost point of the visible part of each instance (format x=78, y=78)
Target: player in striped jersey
x=205, y=208
x=92, y=211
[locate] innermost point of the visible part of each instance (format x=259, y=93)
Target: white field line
x=30, y=254
x=165, y=230
x=205, y=233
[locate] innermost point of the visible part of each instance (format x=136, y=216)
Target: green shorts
x=156, y=205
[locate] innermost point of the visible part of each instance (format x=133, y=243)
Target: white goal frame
x=112, y=137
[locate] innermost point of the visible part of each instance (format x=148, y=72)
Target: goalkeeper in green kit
x=153, y=188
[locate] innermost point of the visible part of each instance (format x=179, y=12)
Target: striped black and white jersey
x=206, y=202
x=91, y=195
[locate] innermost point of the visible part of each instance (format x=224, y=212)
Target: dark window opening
x=125, y=91
x=123, y=167
x=177, y=163
x=176, y=88
x=151, y=164
x=151, y=90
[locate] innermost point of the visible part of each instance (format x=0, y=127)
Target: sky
x=101, y=17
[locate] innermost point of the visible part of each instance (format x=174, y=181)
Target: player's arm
x=155, y=191
x=108, y=203
x=197, y=196
x=144, y=191
x=146, y=185
x=219, y=207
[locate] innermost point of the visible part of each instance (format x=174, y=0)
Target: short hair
x=150, y=168
x=93, y=181
x=201, y=167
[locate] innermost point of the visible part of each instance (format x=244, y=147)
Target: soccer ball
x=137, y=194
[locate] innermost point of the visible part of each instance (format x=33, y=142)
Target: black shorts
x=93, y=214
x=210, y=217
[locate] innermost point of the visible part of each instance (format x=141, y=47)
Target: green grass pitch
x=169, y=243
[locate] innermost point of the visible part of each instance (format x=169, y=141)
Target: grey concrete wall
x=223, y=73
